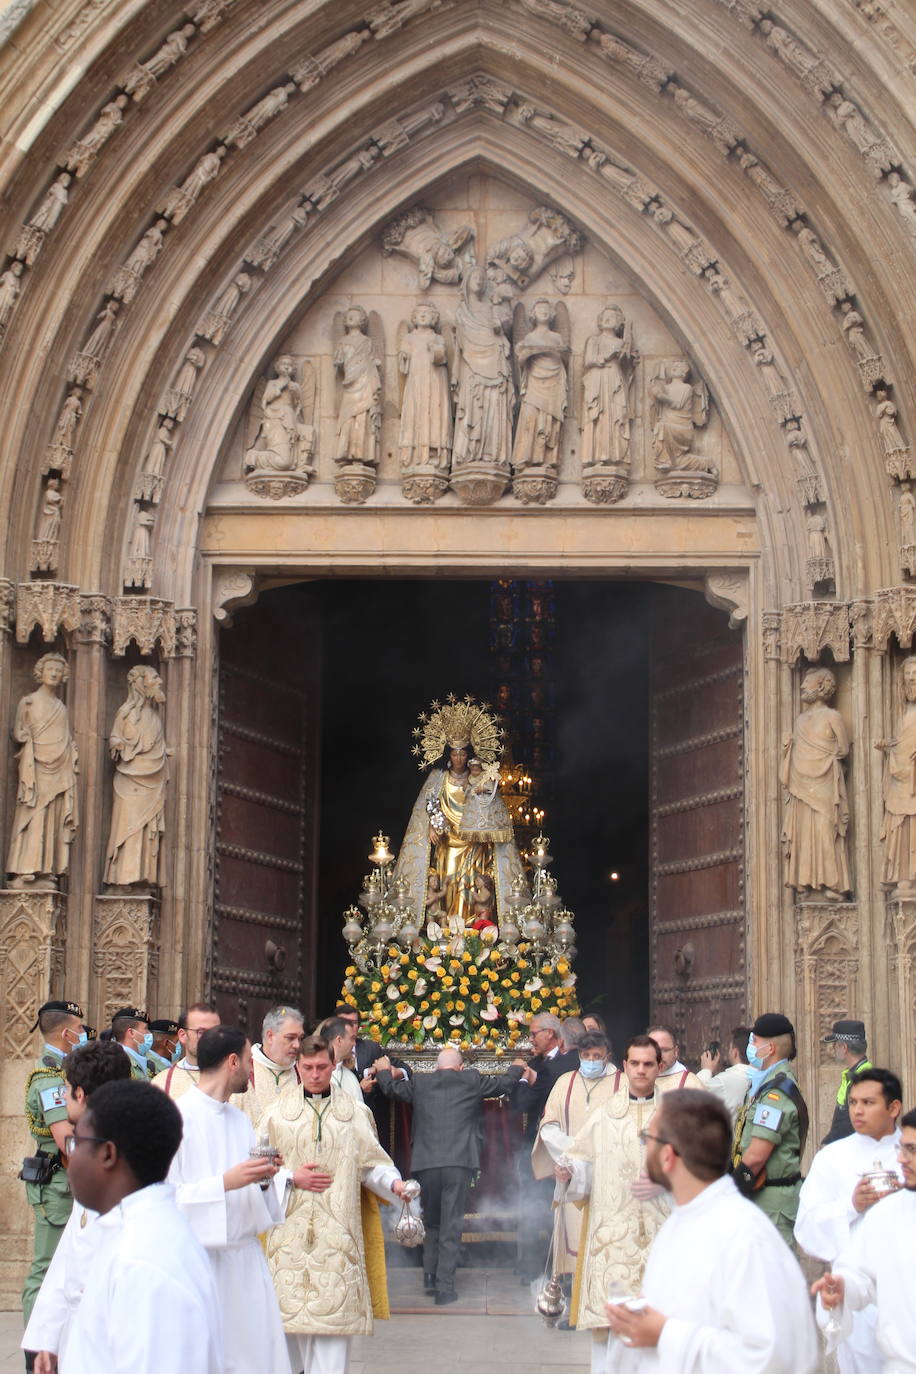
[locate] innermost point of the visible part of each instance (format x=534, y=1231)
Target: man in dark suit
x=445, y=1136
x=553, y=1042
x=365, y=1053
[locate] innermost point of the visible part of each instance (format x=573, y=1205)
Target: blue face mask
x=591, y=1068
x=753, y=1058
x=83, y=1038
x=177, y=1052
x=146, y=1044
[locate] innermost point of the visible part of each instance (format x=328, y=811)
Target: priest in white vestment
x=273, y=1062
x=150, y=1303
x=219, y=1189
x=328, y=1259
x=876, y=1266
x=605, y=1163
x=835, y=1197
x=723, y=1292
x=672, y=1074
x=571, y=1099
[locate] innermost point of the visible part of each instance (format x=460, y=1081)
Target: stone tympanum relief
x=45, y=819
x=137, y=745
x=432, y=381
x=278, y=460
x=898, y=834
x=815, y=839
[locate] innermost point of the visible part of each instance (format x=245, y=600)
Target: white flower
x=430, y=1022
x=406, y=1010
x=533, y=984
x=393, y=991
x=420, y=987
x=457, y=1020
x=490, y=1012
x=483, y=956
x=433, y=962
x=570, y=981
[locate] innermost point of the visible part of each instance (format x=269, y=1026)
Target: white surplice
x=826, y=1220
x=733, y=1293
x=150, y=1302
x=877, y=1265
x=62, y=1286
x=217, y=1136
x=729, y=1086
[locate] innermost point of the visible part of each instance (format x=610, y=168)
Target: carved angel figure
x=541, y=355
x=425, y=437
x=438, y=256
x=607, y=383
x=359, y=416
x=137, y=745
x=285, y=439
x=679, y=406
x=524, y=256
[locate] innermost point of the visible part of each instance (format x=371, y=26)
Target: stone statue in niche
x=542, y=356
x=141, y=78
x=265, y=251
x=139, y=570
x=820, y=560
x=82, y=155
x=896, y=452
x=127, y=281
x=485, y=395
x=59, y=455
x=425, y=435
x=10, y=286
x=277, y=461
x=437, y=256
x=525, y=255
x=358, y=361
x=84, y=365
x=177, y=399
x=816, y=862
x=216, y=321
x=45, y=819
x=906, y=514
x=898, y=833
x=149, y=487
x=32, y=235
x=137, y=745
x=679, y=407
x=180, y=199
x=608, y=369
x=47, y=528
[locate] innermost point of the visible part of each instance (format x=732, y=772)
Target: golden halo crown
x=457, y=724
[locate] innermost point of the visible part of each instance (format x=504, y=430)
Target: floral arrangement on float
x=452, y=942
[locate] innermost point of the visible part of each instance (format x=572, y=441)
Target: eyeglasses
x=908, y=1150
x=72, y=1141
x=645, y=1136
x=541, y=1030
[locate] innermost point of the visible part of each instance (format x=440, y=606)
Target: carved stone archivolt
x=125, y=953
x=32, y=945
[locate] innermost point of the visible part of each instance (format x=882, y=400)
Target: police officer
x=46, y=1188
x=848, y=1038
x=165, y=1048
x=772, y=1126
x=130, y=1028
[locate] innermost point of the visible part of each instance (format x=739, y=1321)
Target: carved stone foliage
x=826, y=965
x=49, y=606
x=32, y=941
x=7, y=604
x=277, y=462
x=125, y=953
x=809, y=627
x=154, y=626
x=894, y=617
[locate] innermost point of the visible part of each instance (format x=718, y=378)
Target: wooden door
x=697, y=917
x=267, y=773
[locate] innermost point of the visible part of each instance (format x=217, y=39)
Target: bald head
x=449, y=1059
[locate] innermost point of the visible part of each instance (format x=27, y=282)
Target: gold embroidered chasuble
x=268, y=1080
x=619, y=1229
x=327, y=1259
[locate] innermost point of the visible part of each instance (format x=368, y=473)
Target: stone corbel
x=809, y=627
x=185, y=632
x=51, y=606
x=144, y=620
x=232, y=588
x=861, y=623
x=729, y=591
x=95, y=620
x=894, y=617
x=32, y=939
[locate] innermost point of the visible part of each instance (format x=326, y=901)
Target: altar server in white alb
x=229, y=1200
x=150, y=1303
x=724, y=1293
x=877, y=1266
x=844, y=1184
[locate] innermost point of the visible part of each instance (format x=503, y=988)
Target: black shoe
x=429, y=1283
x=445, y=1296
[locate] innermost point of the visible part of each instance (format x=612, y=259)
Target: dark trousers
x=444, y=1196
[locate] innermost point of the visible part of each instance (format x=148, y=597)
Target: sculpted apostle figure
x=899, y=830
x=138, y=748
x=607, y=377
x=360, y=415
x=45, y=819
x=542, y=355
x=425, y=438
x=485, y=393
x=817, y=812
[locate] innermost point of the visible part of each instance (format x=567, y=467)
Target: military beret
x=130, y=1014
x=72, y=1008
x=850, y=1032
x=164, y=1027
x=772, y=1023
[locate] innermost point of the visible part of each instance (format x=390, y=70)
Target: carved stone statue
x=906, y=511
x=84, y=365
x=137, y=745
x=45, y=820
x=358, y=359
x=180, y=199
x=425, y=436
x=438, y=256
x=10, y=286
x=247, y=125
x=127, y=281
x=817, y=812
x=277, y=462
x=32, y=235
x=139, y=570
x=896, y=451
x=82, y=155
x=820, y=559
x=143, y=75
x=178, y=398
x=216, y=321
x=608, y=364
x=484, y=397
x=265, y=251
x=542, y=356
x=898, y=834
x=525, y=255
x=60, y=450
x=150, y=485
x=901, y=193
x=47, y=528
x=679, y=407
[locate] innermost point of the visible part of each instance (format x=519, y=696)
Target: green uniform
x=156, y=1064
x=51, y=1202
x=772, y=1114
x=138, y=1071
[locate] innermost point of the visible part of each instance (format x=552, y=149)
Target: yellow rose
x=424, y=1006
x=505, y=983
x=473, y=971
x=437, y=1033
x=421, y=958
x=435, y=996
x=450, y=1006
x=459, y=1006
x=359, y=980
x=522, y=963
x=405, y=958
x=562, y=967
x=547, y=969
x=448, y=980
x=384, y=971
x=393, y=951
x=535, y=1003
x=514, y=977
x=475, y=997
x=350, y=970
x=499, y=1051
x=376, y=987
x=456, y=1034
x=465, y=958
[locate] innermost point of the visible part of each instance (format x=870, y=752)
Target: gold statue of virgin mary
x=460, y=831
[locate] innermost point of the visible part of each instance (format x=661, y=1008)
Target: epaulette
x=37, y=1124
